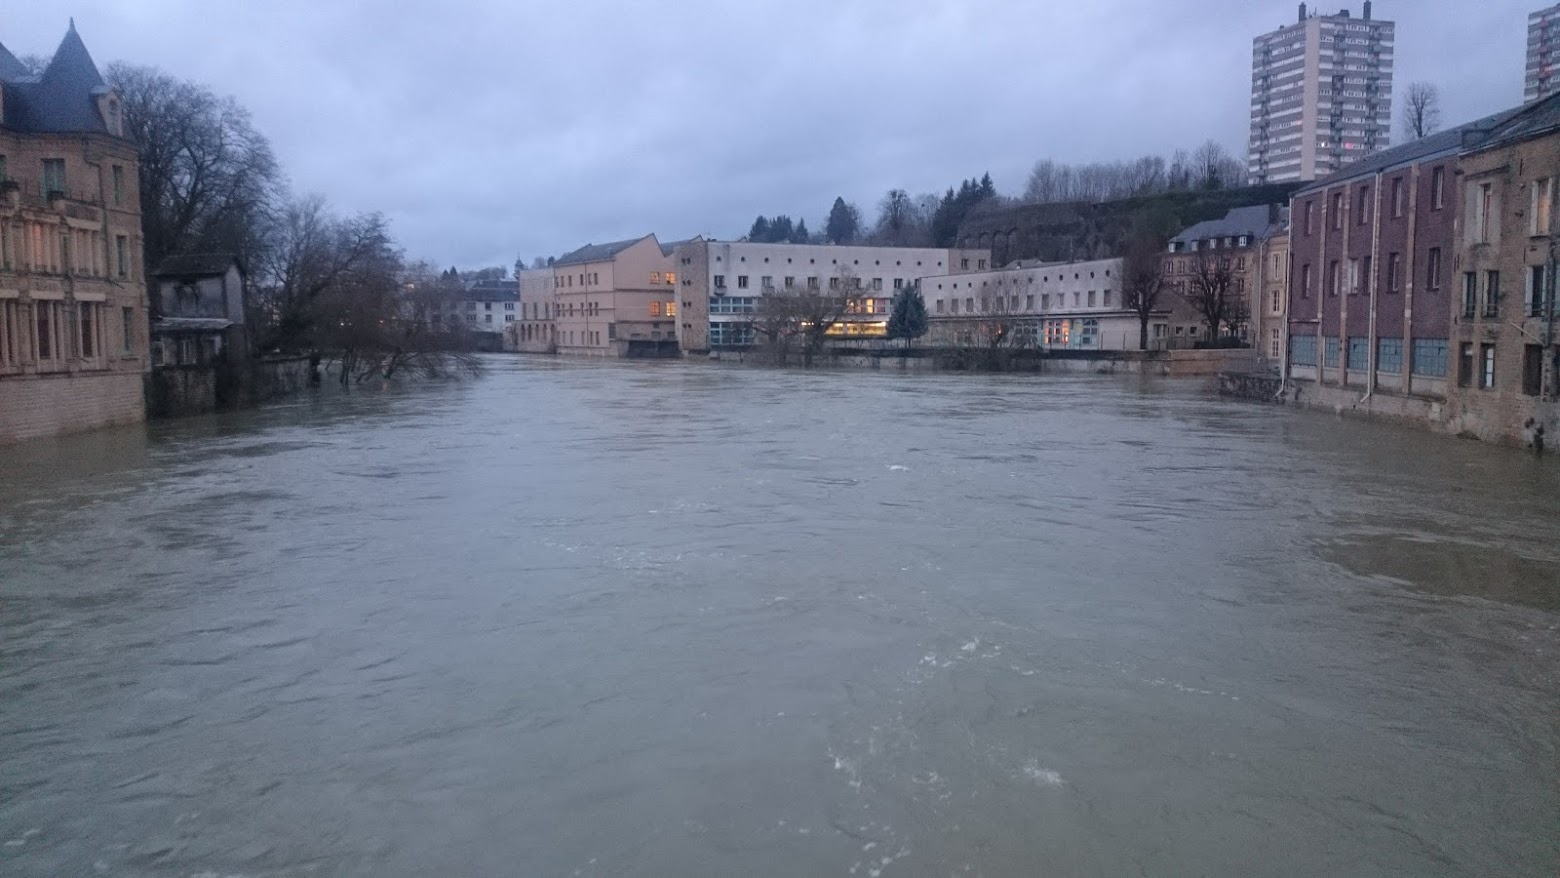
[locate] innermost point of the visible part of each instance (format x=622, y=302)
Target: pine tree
x=908, y=319
x=760, y=230
x=780, y=230
x=844, y=223
x=987, y=188
x=800, y=236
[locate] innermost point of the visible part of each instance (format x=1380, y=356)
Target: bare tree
x=1421, y=110
x=805, y=316
x=35, y=64
x=1211, y=293
x=208, y=179
x=1142, y=280
x=895, y=218
x=1215, y=168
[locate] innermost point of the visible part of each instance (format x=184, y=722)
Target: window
x=2, y=168
x=877, y=284
x=1470, y=301
x=1334, y=277
x=954, y=305
x=1337, y=210
x=1362, y=211
x=1106, y=299
x=981, y=264
x=655, y=277
x=1398, y=199
x=1433, y=269
x=1480, y=207
x=790, y=282
x=834, y=283
x=1543, y=204
x=671, y=278
x=742, y=281
x=1310, y=217
x=969, y=306
x=122, y=255
x=1492, y=294
x=1438, y=188
x=1359, y=354
x=1330, y=351
x=1465, y=365
x=655, y=309
x=1029, y=302
x=53, y=176
x=1532, y=369
x=44, y=311
x=1302, y=350
x=1394, y=272
x=812, y=282
x=1389, y=355
x=1045, y=301
x=1275, y=342
x=487, y=318
x=1537, y=292
x=127, y=318
x=767, y=282
x=899, y=283
x=1430, y=357
x=1305, y=281
x=939, y=306
x=487, y=306
x=88, y=327
x=720, y=281
x=1487, y=374
x=964, y=263
x=119, y=185
x=509, y=306
x=1091, y=298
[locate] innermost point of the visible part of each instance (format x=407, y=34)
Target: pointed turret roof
x=10, y=67
x=63, y=99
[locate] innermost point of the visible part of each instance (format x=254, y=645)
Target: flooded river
x=667, y=619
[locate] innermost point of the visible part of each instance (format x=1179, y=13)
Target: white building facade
x=1074, y=306
x=722, y=283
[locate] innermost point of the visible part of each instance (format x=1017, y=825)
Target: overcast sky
x=487, y=129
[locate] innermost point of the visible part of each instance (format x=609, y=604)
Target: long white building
x=1070, y=306
x=723, y=281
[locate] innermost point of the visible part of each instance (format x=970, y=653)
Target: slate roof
x=10, y=67
x=492, y=291
x=671, y=246
x=61, y=101
x=1438, y=145
x=197, y=265
x=1533, y=120
x=1257, y=222
x=597, y=252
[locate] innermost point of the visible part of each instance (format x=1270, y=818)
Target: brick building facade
x=73, y=330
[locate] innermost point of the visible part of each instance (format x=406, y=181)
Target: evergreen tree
x=800, y=236
x=760, y=230
x=780, y=230
x=844, y=223
x=908, y=319
x=987, y=188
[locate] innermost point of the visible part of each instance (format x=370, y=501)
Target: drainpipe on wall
x=1375, y=270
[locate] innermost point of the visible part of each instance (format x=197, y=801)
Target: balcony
x=20, y=191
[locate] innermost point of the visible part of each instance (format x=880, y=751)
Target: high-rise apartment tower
x=1321, y=95
x=1543, y=50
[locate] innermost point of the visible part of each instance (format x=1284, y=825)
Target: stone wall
x=52, y=405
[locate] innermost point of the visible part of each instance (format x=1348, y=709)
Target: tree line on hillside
x=330, y=285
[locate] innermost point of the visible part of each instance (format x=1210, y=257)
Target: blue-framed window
x=1389, y=355
x=1302, y=350
x=1359, y=353
x=733, y=304
x=730, y=334
x=1330, y=350
x=1430, y=357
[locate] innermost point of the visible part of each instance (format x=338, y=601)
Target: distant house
x=200, y=306
x=484, y=307
x=199, y=347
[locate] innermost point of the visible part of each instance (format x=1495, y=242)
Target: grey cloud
x=487, y=129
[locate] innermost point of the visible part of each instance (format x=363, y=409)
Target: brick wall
x=67, y=403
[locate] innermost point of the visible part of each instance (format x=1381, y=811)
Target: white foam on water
x=896, y=468
x=971, y=646
x=1042, y=776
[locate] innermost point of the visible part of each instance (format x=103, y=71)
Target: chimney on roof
x=1367, y=10
x=1302, y=13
